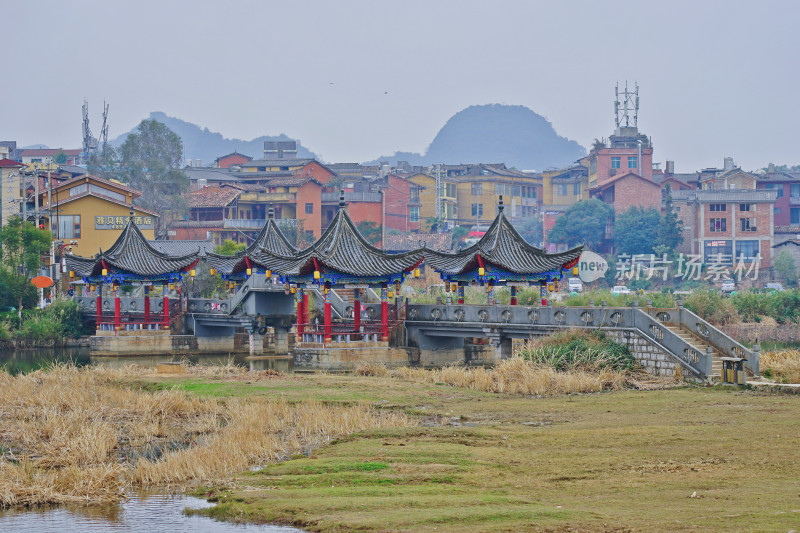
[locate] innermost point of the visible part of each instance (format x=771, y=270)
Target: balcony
x=255, y=223
x=263, y=197
x=794, y=200
x=333, y=197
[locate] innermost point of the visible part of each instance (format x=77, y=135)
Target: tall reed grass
x=84, y=435
x=782, y=365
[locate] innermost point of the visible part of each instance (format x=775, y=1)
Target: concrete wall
x=171, y=345
x=654, y=360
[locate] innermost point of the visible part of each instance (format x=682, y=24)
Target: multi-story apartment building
x=787, y=186
x=727, y=224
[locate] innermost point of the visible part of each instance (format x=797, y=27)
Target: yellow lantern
x=72, y=273
x=481, y=271
x=550, y=287
x=453, y=287
x=171, y=286
x=391, y=294
x=316, y=274
x=269, y=273
x=249, y=271
x=105, y=272
x=293, y=290
x=192, y=272
x=416, y=272
x=212, y=271
x=574, y=271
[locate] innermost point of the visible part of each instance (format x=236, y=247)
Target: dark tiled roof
x=132, y=253
x=441, y=242
x=183, y=247
x=342, y=248
x=212, y=196
x=270, y=240
x=503, y=247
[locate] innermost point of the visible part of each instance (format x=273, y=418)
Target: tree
x=634, y=230
x=370, y=230
x=150, y=161
x=531, y=230
x=583, y=223
x=22, y=247
x=785, y=267
x=670, y=230
x=229, y=247
x=104, y=163
x=60, y=158
x=459, y=232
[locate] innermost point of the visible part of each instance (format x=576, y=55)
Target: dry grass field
x=454, y=450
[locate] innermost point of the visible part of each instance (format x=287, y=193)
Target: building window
x=615, y=162
x=576, y=189
x=562, y=189
x=502, y=188
x=746, y=250
x=516, y=190
x=718, y=252
x=414, y=195
x=69, y=227
x=593, y=166
x=533, y=192
x=748, y=224
x=309, y=209
x=477, y=210
x=633, y=161
x=413, y=214
x=718, y=207
x=718, y=224
x=477, y=189
x=776, y=187
x=745, y=207
x=795, y=215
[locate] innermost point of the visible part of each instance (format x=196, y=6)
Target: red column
x=543, y=294
x=357, y=309
x=165, y=324
x=99, y=318
x=146, y=304
x=513, y=295
x=305, y=307
x=327, y=314
x=300, y=313
x=460, y=293
x=384, y=314
x=116, y=311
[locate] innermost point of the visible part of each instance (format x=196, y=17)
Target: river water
x=152, y=513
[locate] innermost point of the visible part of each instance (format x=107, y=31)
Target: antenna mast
x=629, y=104
x=438, y=205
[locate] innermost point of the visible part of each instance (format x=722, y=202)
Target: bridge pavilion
x=502, y=257
x=131, y=260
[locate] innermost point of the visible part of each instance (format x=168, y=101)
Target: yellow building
x=88, y=213
x=427, y=199
x=565, y=187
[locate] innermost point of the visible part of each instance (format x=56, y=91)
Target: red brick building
x=233, y=159
x=730, y=222
x=628, y=190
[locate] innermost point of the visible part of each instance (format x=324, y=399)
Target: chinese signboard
x=118, y=222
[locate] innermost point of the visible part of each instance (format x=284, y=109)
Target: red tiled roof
x=249, y=187
x=212, y=196
x=607, y=183
x=5, y=163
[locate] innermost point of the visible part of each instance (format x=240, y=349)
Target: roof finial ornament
x=271, y=211
x=131, y=211
x=341, y=198
x=500, y=205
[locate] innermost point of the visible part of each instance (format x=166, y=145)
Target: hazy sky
x=355, y=80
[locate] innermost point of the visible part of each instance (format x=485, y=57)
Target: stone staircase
x=701, y=346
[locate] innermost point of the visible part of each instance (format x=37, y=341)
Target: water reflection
x=24, y=361
x=153, y=513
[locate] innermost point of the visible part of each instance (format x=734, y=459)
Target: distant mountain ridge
x=496, y=133
x=201, y=143
x=492, y=133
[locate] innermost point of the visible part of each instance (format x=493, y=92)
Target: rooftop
x=212, y=196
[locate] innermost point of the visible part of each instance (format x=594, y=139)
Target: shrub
x=578, y=350
x=68, y=314
x=39, y=329
x=711, y=306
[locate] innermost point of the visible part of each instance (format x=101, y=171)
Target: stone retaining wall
x=653, y=359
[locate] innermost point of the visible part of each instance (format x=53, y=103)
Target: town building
x=724, y=225
x=787, y=185
x=46, y=158
x=10, y=189
x=231, y=160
